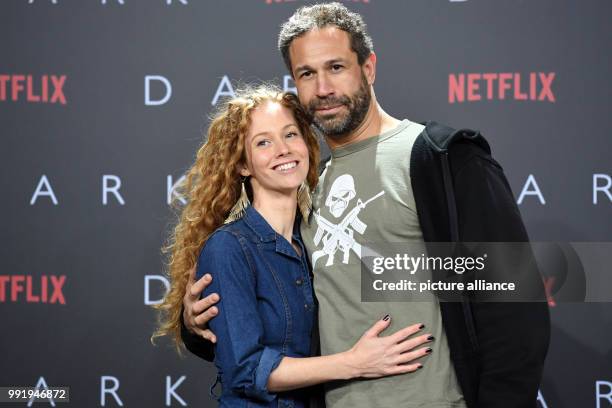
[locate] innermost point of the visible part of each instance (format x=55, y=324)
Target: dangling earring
x=304, y=200
x=241, y=205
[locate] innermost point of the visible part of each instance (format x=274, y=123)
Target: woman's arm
x=371, y=357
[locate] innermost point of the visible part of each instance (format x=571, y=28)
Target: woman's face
x=277, y=155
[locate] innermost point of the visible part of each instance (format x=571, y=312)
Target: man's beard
x=341, y=124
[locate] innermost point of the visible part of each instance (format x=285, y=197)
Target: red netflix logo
x=535, y=86
x=40, y=289
x=43, y=89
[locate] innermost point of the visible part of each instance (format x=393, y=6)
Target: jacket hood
x=440, y=137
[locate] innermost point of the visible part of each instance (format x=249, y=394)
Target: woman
x=261, y=150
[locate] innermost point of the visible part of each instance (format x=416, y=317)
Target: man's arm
x=512, y=337
x=196, y=314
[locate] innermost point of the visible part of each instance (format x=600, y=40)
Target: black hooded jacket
x=497, y=348
x=461, y=193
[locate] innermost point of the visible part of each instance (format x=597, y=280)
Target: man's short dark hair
x=308, y=18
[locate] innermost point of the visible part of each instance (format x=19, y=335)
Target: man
x=408, y=183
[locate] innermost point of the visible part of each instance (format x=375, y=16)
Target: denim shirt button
x=299, y=282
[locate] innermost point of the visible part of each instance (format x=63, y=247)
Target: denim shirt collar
x=259, y=225
x=266, y=233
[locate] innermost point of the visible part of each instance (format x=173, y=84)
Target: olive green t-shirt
x=372, y=176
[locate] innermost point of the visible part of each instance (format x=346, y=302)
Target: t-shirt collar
x=362, y=144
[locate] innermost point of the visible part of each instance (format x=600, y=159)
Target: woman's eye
x=263, y=143
x=292, y=134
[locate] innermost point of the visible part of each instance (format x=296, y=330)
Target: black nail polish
x=386, y=318
x=428, y=350
x=421, y=327
x=431, y=338
x=419, y=367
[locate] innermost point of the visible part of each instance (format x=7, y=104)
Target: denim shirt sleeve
x=244, y=361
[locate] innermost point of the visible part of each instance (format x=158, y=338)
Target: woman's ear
x=243, y=170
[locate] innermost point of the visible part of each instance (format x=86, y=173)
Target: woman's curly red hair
x=212, y=186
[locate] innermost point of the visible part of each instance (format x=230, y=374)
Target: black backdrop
x=99, y=259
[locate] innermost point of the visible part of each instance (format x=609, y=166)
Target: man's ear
x=369, y=68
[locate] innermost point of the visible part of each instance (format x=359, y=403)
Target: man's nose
x=324, y=86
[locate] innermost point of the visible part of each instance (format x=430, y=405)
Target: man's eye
x=305, y=74
x=337, y=67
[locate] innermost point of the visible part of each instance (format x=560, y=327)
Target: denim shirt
x=266, y=309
